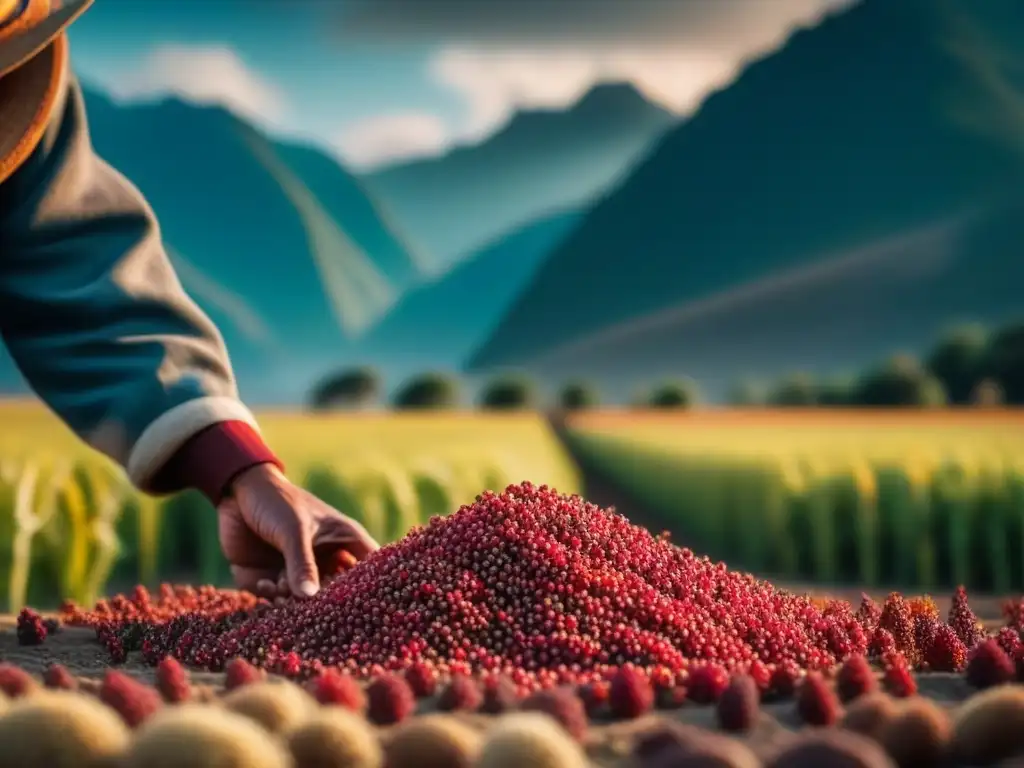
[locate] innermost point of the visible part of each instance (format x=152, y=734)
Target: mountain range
x=848, y=194
x=437, y=324
x=298, y=265
x=539, y=163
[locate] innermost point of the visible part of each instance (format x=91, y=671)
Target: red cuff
x=212, y=458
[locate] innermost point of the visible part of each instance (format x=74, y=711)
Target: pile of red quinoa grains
x=540, y=587
x=532, y=603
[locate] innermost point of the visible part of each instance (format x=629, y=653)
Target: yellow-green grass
x=69, y=520
x=907, y=498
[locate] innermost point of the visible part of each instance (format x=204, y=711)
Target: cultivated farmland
x=925, y=499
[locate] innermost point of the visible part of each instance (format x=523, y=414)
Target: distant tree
x=836, y=392
x=352, y=388
x=746, y=394
x=1004, y=362
x=798, y=390
x=988, y=394
x=578, y=396
x=958, y=361
x=428, y=391
x=508, y=393
x=681, y=393
x=901, y=381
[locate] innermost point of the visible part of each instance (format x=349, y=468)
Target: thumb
x=300, y=565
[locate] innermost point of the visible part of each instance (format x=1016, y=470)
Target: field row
x=923, y=499
x=71, y=525
x=916, y=501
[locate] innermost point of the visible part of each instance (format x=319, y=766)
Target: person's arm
x=98, y=323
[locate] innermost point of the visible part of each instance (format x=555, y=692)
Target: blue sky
x=380, y=80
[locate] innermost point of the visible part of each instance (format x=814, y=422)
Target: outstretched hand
x=280, y=539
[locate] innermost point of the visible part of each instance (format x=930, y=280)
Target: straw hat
x=33, y=64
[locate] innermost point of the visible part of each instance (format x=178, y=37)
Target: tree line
x=362, y=387
x=969, y=365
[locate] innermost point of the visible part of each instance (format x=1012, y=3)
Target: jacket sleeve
x=96, y=319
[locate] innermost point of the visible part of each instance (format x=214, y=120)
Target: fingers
x=349, y=535
x=303, y=577
x=259, y=581
x=332, y=560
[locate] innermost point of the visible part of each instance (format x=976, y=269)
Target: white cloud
x=685, y=52
x=395, y=136
x=510, y=22
x=212, y=74
x=494, y=83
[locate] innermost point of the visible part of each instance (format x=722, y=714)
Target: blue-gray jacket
x=90, y=307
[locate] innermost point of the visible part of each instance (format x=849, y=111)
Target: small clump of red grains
x=462, y=694
x=1009, y=640
x=963, y=620
x=500, y=695
x=897, y=676
x=172, y=681
x=31, y=628
x=882, y=643
x=134, y=701
x=389, y=700
x=239, y=672
x=898, y=621
x=165, y=625
x=706, y=683
x=422, y=678
x=816, y=703
x=761, y=675
x=338, y=689
x=57, y=677
x=925, y=628
x=923, y=607
x=1013, y=612
x=739, y=704
x=15, y=682
x=855, y=678
x=630, y=694
x=988, y=665
x=784, y=680
x=868, y=614
x=945, y=651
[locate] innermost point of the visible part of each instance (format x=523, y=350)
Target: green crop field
x=911, y=499
x=70, y=523
x=916, y=499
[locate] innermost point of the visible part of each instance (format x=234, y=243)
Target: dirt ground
x=607, y=743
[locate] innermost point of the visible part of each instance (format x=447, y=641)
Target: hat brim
x=29, y=96
x=23, y=46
